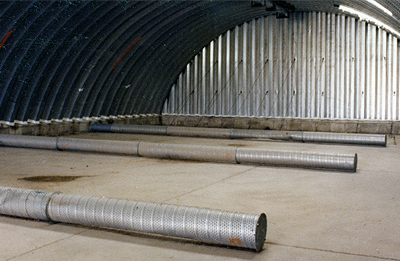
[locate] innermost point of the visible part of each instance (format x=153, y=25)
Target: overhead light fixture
x=380, y=6
x=364, y=17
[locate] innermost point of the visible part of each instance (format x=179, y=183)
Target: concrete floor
x=312, y=214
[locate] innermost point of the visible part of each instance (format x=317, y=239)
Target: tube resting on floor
x=205, y=225
x=226, y=154
x=301, y=136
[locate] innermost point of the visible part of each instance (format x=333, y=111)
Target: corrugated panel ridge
x=312, y=65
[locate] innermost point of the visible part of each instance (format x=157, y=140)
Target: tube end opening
x=355, y=162
x=261, y=232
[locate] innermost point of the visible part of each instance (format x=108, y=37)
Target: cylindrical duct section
x=100, y=146
x=226, y=154
x=205, y=225
x=97, y=127
x=297, y=159
x=23, y=141
x=139, y=129
x=319, y=137
x=188, y=152
x=346, y=138
x=262, y=134
x=199, y=132
x=24, y=203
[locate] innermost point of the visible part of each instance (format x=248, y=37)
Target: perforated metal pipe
x=225, y=154
x=266, y=134
x=24, y=203
x=205, y=225
x=188, y=152
x=319, y=137
x=349, y=138
x=297, y=159
x=139, y=129
x=100, y=146
x=199, y=132
x=23, y=141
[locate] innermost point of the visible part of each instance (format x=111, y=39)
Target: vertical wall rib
x=312, y=65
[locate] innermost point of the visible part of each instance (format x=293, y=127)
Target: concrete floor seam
x=51, y=243
x=186, y=193
x=332, y=251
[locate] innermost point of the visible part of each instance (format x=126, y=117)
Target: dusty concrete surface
x=312, y=214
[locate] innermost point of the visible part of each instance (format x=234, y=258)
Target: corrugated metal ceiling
x=86, y=58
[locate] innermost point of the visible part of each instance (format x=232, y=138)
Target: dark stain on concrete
x=51, y=178
x=236, y=145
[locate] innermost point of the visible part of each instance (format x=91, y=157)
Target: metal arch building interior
x=64, y=59
x=65, y=65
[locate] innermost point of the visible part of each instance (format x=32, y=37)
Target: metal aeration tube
x=205, y=225
x=301, y=136
x=226, y=154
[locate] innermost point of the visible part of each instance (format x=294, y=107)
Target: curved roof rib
x=87, y=58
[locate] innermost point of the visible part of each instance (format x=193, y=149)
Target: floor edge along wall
x=76, y=125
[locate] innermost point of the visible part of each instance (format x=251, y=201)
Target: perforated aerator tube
x=226, y=154
x=24, y=203
x=205, y=225
x=319, y=137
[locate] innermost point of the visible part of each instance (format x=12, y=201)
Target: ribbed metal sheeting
x=319, y=137
x=205, y=225
x=311, y=65
x=65, y=59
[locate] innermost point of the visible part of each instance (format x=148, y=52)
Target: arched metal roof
x=87, y=58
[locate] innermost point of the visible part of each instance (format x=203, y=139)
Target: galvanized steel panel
x=312, y=65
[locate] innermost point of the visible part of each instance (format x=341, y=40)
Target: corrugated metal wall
x=312, y=65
